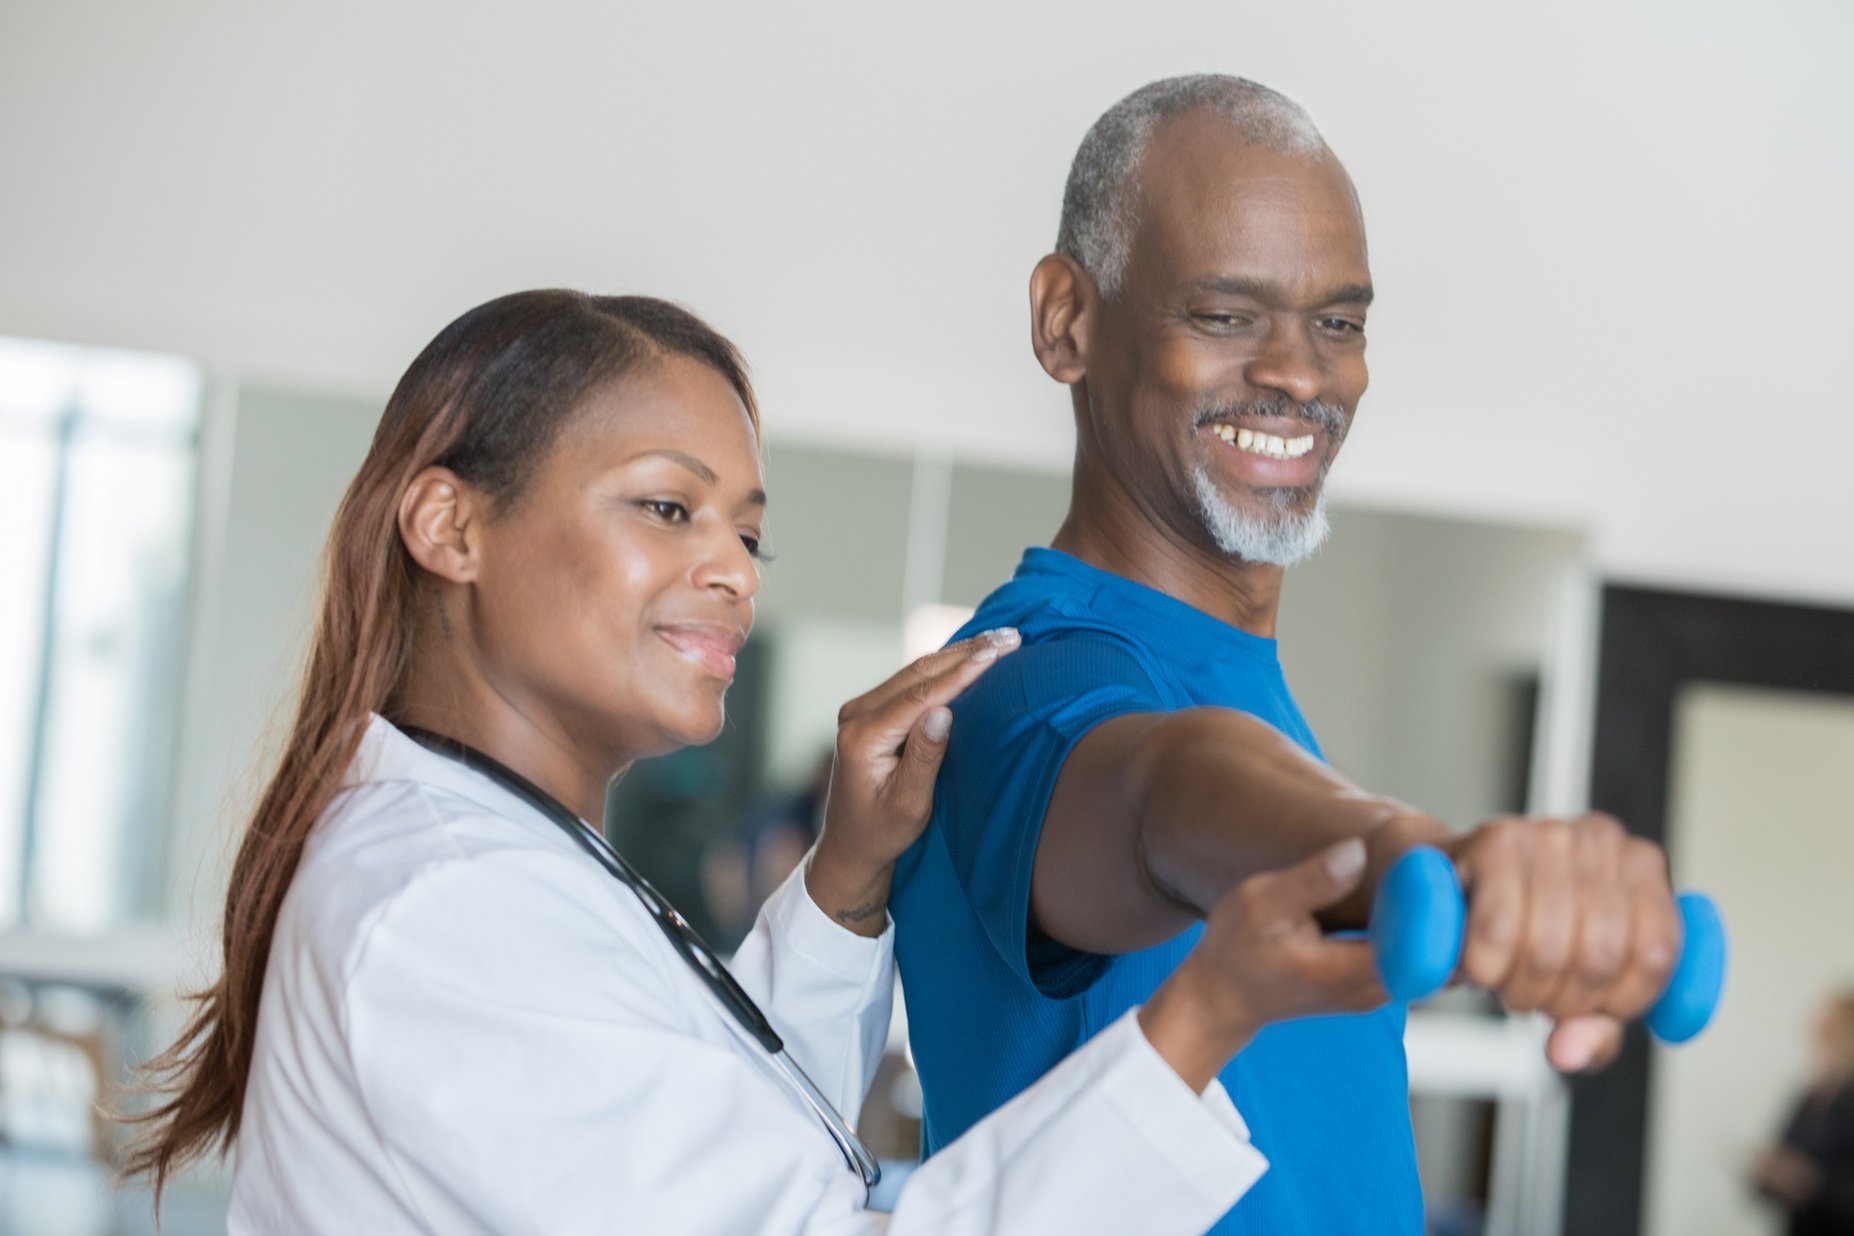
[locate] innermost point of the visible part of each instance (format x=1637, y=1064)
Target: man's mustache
x=1316, y=412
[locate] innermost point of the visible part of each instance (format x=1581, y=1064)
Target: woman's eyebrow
x=702, y=470
x=683, y=458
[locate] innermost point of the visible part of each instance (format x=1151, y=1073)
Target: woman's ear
x=1063, y=304
x=438, y=517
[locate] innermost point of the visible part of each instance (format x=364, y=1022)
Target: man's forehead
x=1205, y=190
x=1199, y=157
x=1203, y=136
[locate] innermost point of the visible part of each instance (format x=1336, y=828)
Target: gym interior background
x=1592, y=542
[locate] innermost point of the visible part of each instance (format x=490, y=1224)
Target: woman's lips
x=711, y=648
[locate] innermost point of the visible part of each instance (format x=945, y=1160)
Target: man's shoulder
x=1059, y=661
x=1057, y=618
x=1080, y=662
x=1047, y=582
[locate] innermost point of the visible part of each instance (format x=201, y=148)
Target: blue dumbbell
x=1419, y=917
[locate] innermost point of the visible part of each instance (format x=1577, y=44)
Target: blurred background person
x=1809, y=1172
x=740, y=870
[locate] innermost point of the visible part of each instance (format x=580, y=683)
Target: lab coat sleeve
x=528, y=1062
x=828, y=991
x=1110, y=1140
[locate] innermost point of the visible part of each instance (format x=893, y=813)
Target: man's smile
x=1267, y=452
x=1259, y=443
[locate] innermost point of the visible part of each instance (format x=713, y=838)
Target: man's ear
x=438, y=520
x=1063, y=307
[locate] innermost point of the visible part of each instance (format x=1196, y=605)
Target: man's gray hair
x=1099, y=203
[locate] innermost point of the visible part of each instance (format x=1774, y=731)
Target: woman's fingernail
x=1004, y=637
x=985, y=655
x=938, y=725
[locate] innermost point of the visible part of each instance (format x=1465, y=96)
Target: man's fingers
x=1579, y=1044
x=1496, y=886
x=1574, y=918
x=1293, y=893
x=1605, y=926
x=1551, y=922
x=968, y=657
x=1656, y=937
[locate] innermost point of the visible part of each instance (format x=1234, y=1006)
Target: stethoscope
x=701, y=958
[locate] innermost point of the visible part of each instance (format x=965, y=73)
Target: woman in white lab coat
x=447, y=1007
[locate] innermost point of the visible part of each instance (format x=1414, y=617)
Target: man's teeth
x=1265, y=443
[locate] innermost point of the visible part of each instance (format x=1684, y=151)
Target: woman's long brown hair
x=486, y=399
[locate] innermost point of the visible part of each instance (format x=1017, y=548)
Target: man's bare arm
x=1156, y=815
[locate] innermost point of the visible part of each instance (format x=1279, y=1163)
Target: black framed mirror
x=1656, y=649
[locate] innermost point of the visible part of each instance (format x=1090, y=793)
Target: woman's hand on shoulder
x=889, y=745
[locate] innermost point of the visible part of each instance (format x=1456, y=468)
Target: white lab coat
x=469, y=1027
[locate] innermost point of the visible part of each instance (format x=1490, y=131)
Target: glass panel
x=118, y=625
x=28, y=465
x=131, y=388
x=96, y=490
x=36, y=380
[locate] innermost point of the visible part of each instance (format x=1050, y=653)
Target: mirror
x=1759, y=816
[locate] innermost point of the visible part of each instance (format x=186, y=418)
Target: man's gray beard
x=1284, y=537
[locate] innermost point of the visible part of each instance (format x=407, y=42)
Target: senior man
x=1105, y=785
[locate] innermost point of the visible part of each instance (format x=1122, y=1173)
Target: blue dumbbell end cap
x=1693, y=992
x=1416, y=924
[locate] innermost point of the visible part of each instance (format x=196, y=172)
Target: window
x=97, y=460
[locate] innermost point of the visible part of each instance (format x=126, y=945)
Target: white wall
x=1760, y=818
x=1405, y=640
x=1610, y=239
